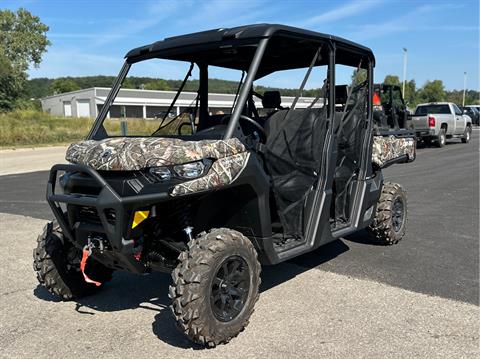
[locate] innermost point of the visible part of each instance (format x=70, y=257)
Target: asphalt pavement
x=350, y=298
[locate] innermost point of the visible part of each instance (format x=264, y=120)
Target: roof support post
x=109, y=101
x=247, y=85
x=203, y=92
x=331, y=83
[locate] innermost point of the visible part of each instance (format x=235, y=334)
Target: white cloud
x=154, y=15
x=347, y=10
x=411, y=21
x=222, y=13
x=67, y=62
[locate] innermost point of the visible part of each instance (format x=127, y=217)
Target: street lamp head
x=405, y=49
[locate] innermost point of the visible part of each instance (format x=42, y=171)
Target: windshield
x=161, y=98
x=432, y=109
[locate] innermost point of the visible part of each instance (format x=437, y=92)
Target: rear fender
x=393, y=148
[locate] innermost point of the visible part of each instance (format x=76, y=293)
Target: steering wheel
x=255, y=124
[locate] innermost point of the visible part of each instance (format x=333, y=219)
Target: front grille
x=90, y=215
x=87, y=214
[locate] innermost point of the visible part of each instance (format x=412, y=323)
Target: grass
x=27, y=128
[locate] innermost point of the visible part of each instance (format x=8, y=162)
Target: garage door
x=83, y=108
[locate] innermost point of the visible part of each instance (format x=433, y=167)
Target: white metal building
x=139, y=103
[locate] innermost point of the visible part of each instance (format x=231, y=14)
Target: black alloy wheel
x=230, y=288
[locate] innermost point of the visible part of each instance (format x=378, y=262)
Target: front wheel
x=215, y=286
x=57, y=265
x=388, y=226
x=467, y=134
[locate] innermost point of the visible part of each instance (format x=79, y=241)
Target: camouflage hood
x=135, y=153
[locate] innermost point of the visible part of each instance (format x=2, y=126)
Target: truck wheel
x=441, y=138
x=215, y=286
x=57, y=265
x=388, y=226
x=467, y=134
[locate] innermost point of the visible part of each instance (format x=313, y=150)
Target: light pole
x=464, y=87
x=404, y=70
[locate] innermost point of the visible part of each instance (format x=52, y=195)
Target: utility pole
x=464, y=87
x=404, y=70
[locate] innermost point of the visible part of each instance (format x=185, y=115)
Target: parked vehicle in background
x=389, y=108
x=473, y=113
x=440, y=121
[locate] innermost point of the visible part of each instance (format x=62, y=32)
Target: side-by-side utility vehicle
x=225, y=193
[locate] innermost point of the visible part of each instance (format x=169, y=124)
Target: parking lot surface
x=349, y=298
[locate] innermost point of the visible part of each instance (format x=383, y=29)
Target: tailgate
x=419, y=122
x=391, y=147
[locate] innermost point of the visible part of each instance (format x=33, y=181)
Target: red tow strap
x=85, y=254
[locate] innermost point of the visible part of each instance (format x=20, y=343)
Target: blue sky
x=90, y=37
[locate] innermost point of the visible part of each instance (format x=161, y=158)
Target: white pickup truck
x=439, y=121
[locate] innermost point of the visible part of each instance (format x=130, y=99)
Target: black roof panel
x=212, y=46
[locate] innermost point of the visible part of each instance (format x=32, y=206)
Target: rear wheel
x=467, y=134
x=388, y=226
x=215, y=287
x=441, y=138
x=57, y=265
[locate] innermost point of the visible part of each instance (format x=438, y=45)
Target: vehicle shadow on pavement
x=129, y=291
x=283, y=272
x=363, y=237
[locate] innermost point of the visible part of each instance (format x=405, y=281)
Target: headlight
x=161, y=173
x=190, y=170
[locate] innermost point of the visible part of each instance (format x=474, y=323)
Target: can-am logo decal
x=107, y=153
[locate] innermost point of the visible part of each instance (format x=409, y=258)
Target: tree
x=23, y=38
x=359, y=76
x=23, y=41
x=62, y=85
x=11, y=83
x=158, y=85
x=392, y=80
x=432, y=91
x=410, y=95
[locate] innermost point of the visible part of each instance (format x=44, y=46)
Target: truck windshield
x=433, y=109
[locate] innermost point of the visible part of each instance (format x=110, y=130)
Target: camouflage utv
x=222, y=194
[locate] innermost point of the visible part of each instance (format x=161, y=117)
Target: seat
x=272, y=100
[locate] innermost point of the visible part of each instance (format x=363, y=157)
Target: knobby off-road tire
x=467, y=134
x=441, y=139
x=219, y=268
x=57, y=265
x=389, y=222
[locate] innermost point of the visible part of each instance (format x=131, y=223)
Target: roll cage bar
x=206, y=48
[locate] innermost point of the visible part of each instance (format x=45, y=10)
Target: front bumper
x=104, y=203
